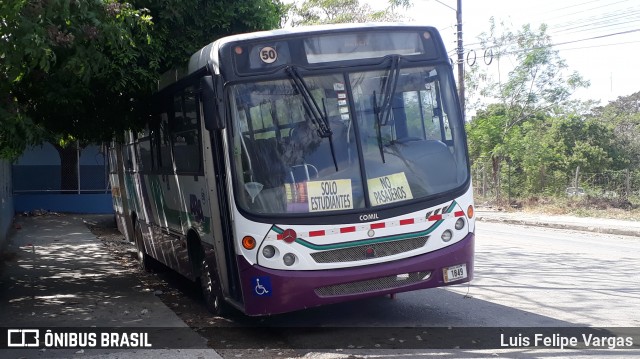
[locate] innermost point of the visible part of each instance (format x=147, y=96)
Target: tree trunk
x=68, y=168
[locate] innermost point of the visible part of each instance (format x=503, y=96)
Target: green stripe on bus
x=397, y=237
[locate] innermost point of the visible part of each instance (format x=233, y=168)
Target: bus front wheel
x=212, y=290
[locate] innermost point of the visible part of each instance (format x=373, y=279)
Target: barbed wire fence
x=505, y=184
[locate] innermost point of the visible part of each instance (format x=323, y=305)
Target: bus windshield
x=349, y=156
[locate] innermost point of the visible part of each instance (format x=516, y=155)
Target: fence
x=51, y=178
x=504, y=183
x=77, y=183
x=41, y=170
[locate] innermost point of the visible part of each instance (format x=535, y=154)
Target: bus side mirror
x=212, y=103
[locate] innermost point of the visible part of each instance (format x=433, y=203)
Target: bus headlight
x=289, y=259
x=460, y=223
x=269, y=251
x=447, y=235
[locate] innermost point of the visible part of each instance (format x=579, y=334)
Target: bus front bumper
x=269, y=291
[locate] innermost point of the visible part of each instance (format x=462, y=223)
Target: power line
x=570, y=42
x=602, y=45
x=613, y=19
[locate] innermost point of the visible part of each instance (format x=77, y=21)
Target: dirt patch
x=580, y=206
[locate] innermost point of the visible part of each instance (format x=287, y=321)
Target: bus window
x=282, y=157
x=413, y=144
x=262, y=121
x=113, y=161
x=185, y=134
x=128, y=157
x=145, y=155
x=164, y=163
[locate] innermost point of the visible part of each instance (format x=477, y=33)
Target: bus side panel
x=165, y=190
x=117, y=190
x=151, y=200
x=195, y=215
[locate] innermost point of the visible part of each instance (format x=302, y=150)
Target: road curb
x=575, y=227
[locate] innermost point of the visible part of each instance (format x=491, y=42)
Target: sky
x=600, y=39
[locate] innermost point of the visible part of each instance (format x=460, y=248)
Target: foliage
x=533, y=127
x=84, y=69
x=70, y=67
x=538, y=83
x=314, y=12
x=184, y=26
x=623, y=117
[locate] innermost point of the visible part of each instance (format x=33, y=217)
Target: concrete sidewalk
x=589, y=224
x=58, y=274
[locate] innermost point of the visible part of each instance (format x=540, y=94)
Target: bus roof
x=211, y=52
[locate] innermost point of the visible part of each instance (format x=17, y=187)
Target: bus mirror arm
x=211, y=106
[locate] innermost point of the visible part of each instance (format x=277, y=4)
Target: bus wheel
x=212, y=290
x=144, y=261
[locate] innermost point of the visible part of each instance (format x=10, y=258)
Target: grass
x=579, y=206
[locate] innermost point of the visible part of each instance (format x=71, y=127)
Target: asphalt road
x=525, y=277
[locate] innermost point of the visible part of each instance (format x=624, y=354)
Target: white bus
x=289, y=169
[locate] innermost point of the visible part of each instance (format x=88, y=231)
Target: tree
x=543, y=152
x=85, y=69
x=70, y=66
x=537, y=89
x=314, y=12
x=540, y=81
x=623, y=117
x=181, y=27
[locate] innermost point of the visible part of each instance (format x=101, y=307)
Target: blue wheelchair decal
x=261, y=286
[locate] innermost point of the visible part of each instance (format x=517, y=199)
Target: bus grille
x=360, y=253
x=373, y=285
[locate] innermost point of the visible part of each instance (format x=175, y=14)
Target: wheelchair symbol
x=262, y=289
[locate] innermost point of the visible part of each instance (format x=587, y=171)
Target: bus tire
x=144, y=260
x=212, y=290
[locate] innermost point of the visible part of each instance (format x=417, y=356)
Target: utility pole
x=460, y=59
x=460, y=51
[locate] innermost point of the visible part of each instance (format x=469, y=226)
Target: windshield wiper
x=309, y=103
x=383, y=109
x=317, y=116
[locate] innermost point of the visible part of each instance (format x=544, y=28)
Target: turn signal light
x=248, y=242
x=470, y=212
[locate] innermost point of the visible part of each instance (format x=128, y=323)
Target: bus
x=295, y=168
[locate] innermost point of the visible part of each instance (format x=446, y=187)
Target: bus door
x=217, y=181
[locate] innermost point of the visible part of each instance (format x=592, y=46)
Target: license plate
x=455, y=273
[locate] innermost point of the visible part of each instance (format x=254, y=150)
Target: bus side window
x=164, y=162
x=146, y=158
x=113, y=162
x=128, y=155
x=185, y=133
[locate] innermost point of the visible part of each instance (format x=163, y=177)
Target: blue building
x=40, y=182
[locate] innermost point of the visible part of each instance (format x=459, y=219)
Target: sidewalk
x=589, y=224
x=58, y=274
